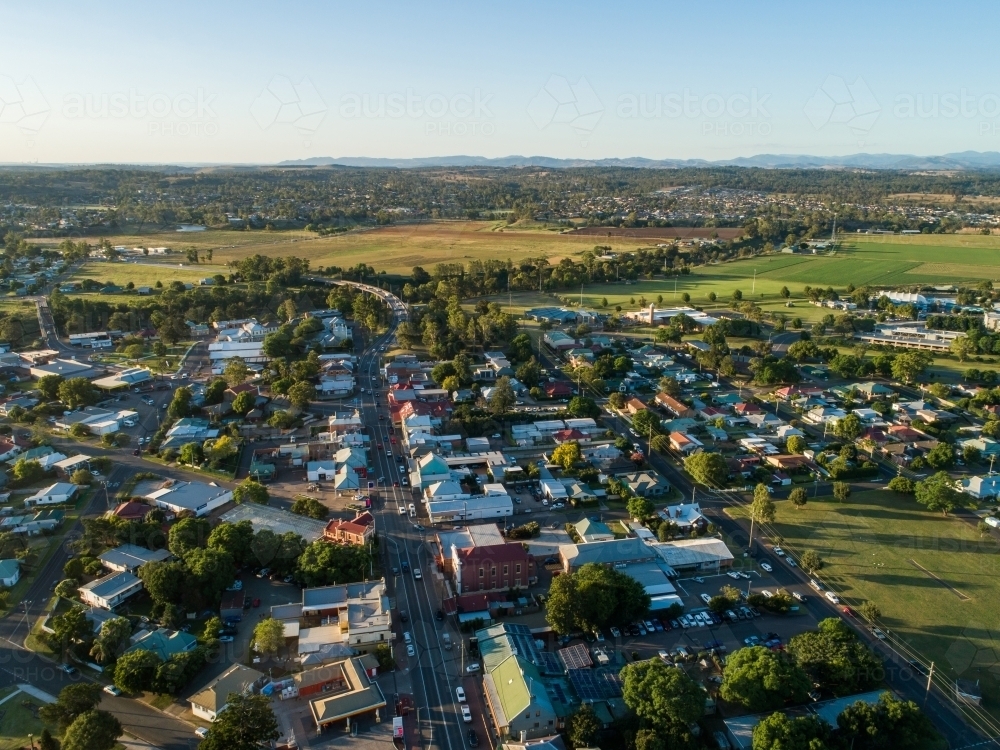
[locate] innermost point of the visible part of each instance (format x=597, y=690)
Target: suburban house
x=110, y=591
x=645, y=483
x=633, y=406
x=56, y=494
x=128, y=558
x=684, y=443
x=593, y=531
x=197, y=497
x=358, y=530
x=980, y=488
x=212, y=699
x=10, y=572
x=163, y=642
x=672, y=405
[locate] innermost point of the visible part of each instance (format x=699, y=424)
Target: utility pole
x=753, y=287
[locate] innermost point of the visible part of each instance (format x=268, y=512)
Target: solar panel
x=549, y=664
x=585, y=685
x=612, y=684
x=576, y=656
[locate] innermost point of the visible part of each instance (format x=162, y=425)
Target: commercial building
x=197, y=497
x=474, y=508
x=517, y=700
x=124, y=379
x=348, y=691
x=358, y=614
x=479, y=558
x=276, y=520
x=610, y=553
x=110, y=591
x=705, y=554
x=358, y=531
x=66, y=368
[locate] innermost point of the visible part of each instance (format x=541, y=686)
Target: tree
x=908, y=366
x=502, y=399
x=49, y=386
x=73, y=701
x=310, y=507
x=706, y=468
x=937, y=493
x=79, y=430
x=811, y=560
x=890, y=723
x=761, y=508
x=269, y=635
x=849, y=427
x=519, y=348
x=27, y=472
x=842, y=491
x=592, y=597
x=136, y=671
x=761, y=679
x=963, y=348
x=941, y=456
x=209, y=572
x=661, y=694
x=70, y=628
x=785, y=293
x=77, y=392
x=236, y=371
x=252, y=491
x=180, y=404
x=529, y=373
x=901, y=485
x=322, y=564
x=46, y=741
x=567, y=454
x=215, y=392
x=583, y=406
x=94, y=730
x=800, y=733
x=646, y=422
x=301, y=394
x=191, y=454
x=163, y=581
x=795, y=444
x=971, y=454
x=833, y=656
x=584, y=727
x=244, y=403
x=188, y=534
x=111, y=640
x=220, y=449
x=451, y=384
x=246, y=724
x=639, y=508
x=798, y=497
x=870, y=611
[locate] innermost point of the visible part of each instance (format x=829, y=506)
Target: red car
x=848, y=611
x=256, y=602
x=378, y=445
x=395, y=484
x=392, y=440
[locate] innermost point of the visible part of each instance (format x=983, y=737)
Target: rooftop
x=279, y=521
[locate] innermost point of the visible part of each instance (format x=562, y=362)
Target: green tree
x=111, y=640
x=70, y=628
x=842, y=491
x=310, y=507
x=639, y=508
x=870, y=611
x=73, y=568
x=583, y=406
x=27, y=472
x=191, y=454
x=529, y=373
x=502, y=399
x=236, y=371
x=941, y=456
x=902, y=485
x=660, y=694
x=937, y=493
x=799, y=733
x=246, y=724
x=73, y=701
x=584, y=727
x=136, y=671
x=46, y=741
x=706, y=468
x=760, y=679
x=79, y=430
x=210, y=572
x=592, y=597
x=890, y=723
x=77, y=392
x=244, y=403
x=798, y=497
x=811, y=561
x=567, y=455
x=220, y=449
x=94, y=730
x=215, y=392
x=908, y=366
x=963, y=348
x=188, y=534
x=833, y=656
x=269, y=635
x=301, y=394
x=519, y=348
x=646, y=422
x=180, y=404
x=849, y=427
x=163, y=581
x=251, y=491
x=49, y=386
x=795, y=444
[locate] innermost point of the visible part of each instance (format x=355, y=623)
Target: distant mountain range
x=965, y=160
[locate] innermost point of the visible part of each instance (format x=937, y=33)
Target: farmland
x=871, y=546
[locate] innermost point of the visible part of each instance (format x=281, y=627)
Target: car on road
x=235, y=586
x=111, y=690
x=473, y=668
x=633, y=432
x=406, y=566
x=68, y=669
x=226, y=639
x=417, y=574
x=745, y=576
x=460, y=694
x=263, y=572
x=473, y=738
x=779, y=552
x=466, y=713
x=847, y=611
x=767, y=567
x=878, y=634
x=733, y=574
x=790, y=561
x=665, y=655
x=798, y=596
x=410, y=650
x=201, y=732
x=832, y=597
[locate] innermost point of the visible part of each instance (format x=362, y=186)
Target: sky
x=250, y=82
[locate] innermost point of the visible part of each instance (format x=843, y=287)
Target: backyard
x=935, y=579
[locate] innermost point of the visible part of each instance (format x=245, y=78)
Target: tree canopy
x=761, y=679
x=593, y=597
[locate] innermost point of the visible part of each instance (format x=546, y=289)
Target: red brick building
x=357, y=531
x=479, y=558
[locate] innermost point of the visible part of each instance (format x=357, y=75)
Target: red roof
x=243, y=388
x=131, y=511
x=563, y=436
x=748, y=407
x=557, y=389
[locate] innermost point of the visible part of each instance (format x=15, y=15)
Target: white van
x=832, y=597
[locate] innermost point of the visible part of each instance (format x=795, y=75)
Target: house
x=10, y=572
x=645, y=483
x=321, y=470
x=980, y=488
x=593, y=531
x=347, y=688
x=686, y=517
x=684, y=443
x=8, y=450
x=788, y=462
x=66, y=466
x=672, y=405
x=988, y=447
x=872, y=390
x=110, y=591
x=212, y=699
x=197, y=497
x=558, y=389
x=129, y=558
x=131, y=511
x=358, y=531
x=55, y=494
x=359, y=617
x=163, y=642
x=633, y=406
x=518, y=701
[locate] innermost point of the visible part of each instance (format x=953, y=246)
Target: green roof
x=165, y=643
x=9, y=568
x=586, y=527
x=510, y=680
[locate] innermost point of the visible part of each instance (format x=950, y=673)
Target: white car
x=402, y=510
x=767, y=567
x=473, y=668
x=466, y=713
x=832, y=597
x=460, y=694
x=766, y=594
x=798, y=596
x=778, y=551
x=665, y=655
x=705, y=598
x=111, y=690
x=790, y=561
x=410, y=650
x=733, y=574
x=201, y=732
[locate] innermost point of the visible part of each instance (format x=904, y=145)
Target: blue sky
x=262, y=82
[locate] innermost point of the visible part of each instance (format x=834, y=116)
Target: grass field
x=16, y=721
x=947, y=609
x=145, y=273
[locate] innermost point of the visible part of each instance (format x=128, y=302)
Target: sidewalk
x=36, y=693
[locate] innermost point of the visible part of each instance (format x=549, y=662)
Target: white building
x=474, y=508
x=197, y=497
x=56, y=494
x=110, y=591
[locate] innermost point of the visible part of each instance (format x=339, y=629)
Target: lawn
x=144, y=273
x=934, y=578
x=17, y=721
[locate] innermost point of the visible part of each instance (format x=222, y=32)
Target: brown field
x=661, y=233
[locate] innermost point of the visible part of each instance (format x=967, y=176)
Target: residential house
x=633, y=406
x=645, y=483
x=110, y=591
x=988, y=447
x=684, y=443
x=197, y=497
x=517, y=700
x=55, y=494
x=130, y=557
x=10, y=572
x=981, y=488
x=672, y=405
x=593, y=531
x=213, y=699
x=163, y=642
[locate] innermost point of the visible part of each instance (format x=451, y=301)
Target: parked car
x=201, y=732
x=226, y=639
x=263, y=572
x=705, y=598
x=767, y=567
x=615, y=632
x=473, y=738
x=111, y=690
x=473, y=668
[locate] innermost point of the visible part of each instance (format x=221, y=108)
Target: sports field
x=936, y=580
x=146, y=272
